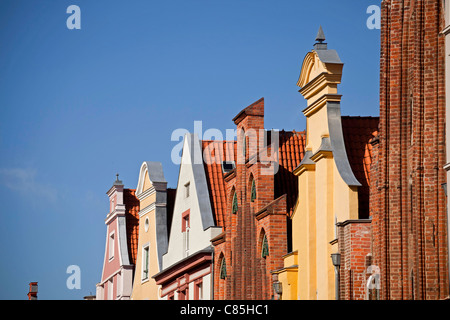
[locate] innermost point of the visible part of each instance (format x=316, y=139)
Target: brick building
x=408, y=203
x=446, y=34
x=354, y=236
x=252, y=200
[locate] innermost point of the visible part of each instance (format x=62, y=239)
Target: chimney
x=32, y=294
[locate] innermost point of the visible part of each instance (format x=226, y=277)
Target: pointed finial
x=320, y=38
x=117, y=182
x=320, y=35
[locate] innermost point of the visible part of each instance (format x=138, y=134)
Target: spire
x=320, y=35
x=320, y=38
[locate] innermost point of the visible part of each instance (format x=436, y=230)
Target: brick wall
x=248, y=273
x=407, y=201
x=355, y=240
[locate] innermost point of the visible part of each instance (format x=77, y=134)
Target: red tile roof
x=170, y=203
x=132, y=222
x=215, y=152
x=291, y=151
x=358, y=131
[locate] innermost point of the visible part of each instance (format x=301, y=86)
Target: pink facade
x=121, y=239
x=110, y=266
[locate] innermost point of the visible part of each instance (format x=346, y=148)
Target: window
x=198, y=293
x=185, y=228
x=235, y=203
x=111, y=245
x=244, y=146
x=186, y=189
x=223, y=269
x=265, y=247
x=253, y=191
x=228, y=166
x=145, y=260
x=373, y=283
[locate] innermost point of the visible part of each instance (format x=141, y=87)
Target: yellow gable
x=147, y=183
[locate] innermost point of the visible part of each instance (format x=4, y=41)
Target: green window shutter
x=265, y=247
x=253, y=196
x=235, y=203
x=223, y=269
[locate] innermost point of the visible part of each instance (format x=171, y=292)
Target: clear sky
x=79, y=106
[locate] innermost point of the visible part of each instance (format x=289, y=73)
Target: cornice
x=147, y=209
x=320, y=102
x=321, y=81
x=146, y=193
x=119, y=211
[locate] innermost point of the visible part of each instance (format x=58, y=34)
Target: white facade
x=196, y=201
x=191, y=230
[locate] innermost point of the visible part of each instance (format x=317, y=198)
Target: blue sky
x=78, y=106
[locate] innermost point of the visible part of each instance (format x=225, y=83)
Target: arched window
x=235, y=203
x=253, y=191
x=223, y=269
x=244, y=145
x=264, y=247
x=373, y=283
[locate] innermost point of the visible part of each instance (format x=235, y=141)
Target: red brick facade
x=407, y=202
x=355, y=236
x=247, y=271
x=355, y=240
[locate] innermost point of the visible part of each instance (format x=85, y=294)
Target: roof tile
x=358, y=131
x=132, y=222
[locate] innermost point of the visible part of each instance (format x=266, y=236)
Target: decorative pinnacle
x=320, y=35
x=117, y=182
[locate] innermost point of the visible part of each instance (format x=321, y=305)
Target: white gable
x=194, y=201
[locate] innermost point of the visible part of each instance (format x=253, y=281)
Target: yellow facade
x=327, y=187
x=144, y=286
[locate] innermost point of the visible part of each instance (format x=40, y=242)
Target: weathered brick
x=407, y=202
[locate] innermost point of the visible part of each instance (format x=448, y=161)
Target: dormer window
x=228, y=166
